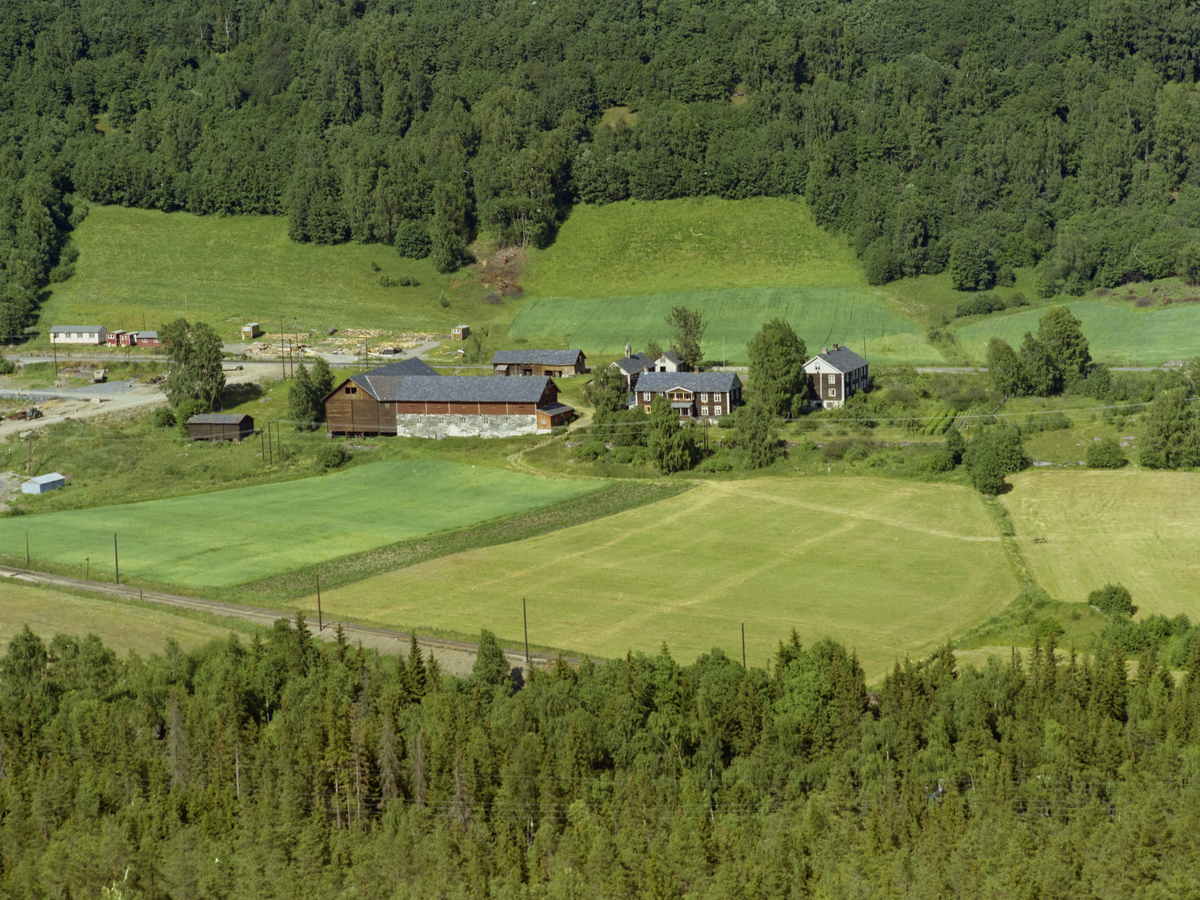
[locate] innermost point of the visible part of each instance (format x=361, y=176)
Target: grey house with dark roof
x=392, y=400
x=555, y=363
x=834, y=375
x=694, y=395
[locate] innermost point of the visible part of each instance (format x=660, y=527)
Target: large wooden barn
x=555, y=363
x=431, y=405
x=220, y=427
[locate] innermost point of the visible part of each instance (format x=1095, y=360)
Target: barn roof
x=536, y=357
x=218, y=419
x=411, y=366
x=77, y=329
x=708, y=382
x=634, y=363
x=460, y=389
x=843, y=359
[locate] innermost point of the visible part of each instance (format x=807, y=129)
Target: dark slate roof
x=460, y=388
x=147, y=334
x=536, y=357
x=637, y=362
x=555, y=409
x=670, y=356
x=218, y=419
x=412, y=366
x=707, y=382
x=843, y=359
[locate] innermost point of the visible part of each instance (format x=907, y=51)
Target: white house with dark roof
x=694, y=395
x=834, y=375
x=78, y=334
x=669, y=361
x=632, y=365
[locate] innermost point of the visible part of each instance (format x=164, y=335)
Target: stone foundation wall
x=432, y=426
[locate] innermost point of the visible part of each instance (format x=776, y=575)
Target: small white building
x=834, y=375
x=250, y=331
x=668, y=362
x=42, y=484
x=78, y=334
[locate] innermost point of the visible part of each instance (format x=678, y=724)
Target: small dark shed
x=220, y=427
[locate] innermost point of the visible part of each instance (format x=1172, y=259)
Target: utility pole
x=29, y=465
x=320, y=623
x=262, y=446
x=54, y=344
x=270, y=448
x=26, y=546
x=743, y=646
x=282, y=358
x=116, y=558
x=87, y=572
x=279, y=443
x=525, y=617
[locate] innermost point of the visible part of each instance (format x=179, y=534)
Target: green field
x=229, y=537
x=889, y=567
x=821, y=316
x=1138, y=528
x=122, y=626
x=1116, y=331
x=136, y=263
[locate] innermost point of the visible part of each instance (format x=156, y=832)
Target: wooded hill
x=295, y=768
x=977, y=136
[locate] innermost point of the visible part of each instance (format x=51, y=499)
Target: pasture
x=1139, y=528
x=225, y=538
x=821, y=316
x=136, y=263
x=1117, y=332
x=140, y=627
x=889, y=567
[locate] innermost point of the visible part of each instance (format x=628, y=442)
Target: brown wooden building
x=834, y=375
x=220, y=427
x=554, y=363
x=383, y=402
x=694, y=395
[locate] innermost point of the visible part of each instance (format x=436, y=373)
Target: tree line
x=950, y=135
x=283, y=766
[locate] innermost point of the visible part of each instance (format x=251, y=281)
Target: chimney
x=824, y=350
x=835, y=346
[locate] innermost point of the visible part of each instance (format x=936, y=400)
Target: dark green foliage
x=671, y=447
x=1006, y=375
x=412, y=240
x=937, y=462
x=164, y=417
x=687, y=331
x=971, y=267
x=185, y=410
x=1106, y=454
x=1040, y=373
x=590, y=450
x=1114, y=600
x=322, y=384
x=7, y=366
x=607, y=393
x=1062, y=336
x=980, y=305
x=777, y=357
x=303, y=400
x=1170, y=436
x=491, y=666
x=993, y=455
x=756, y=436
x=195, y=356
x=956, y=445
x=332, y=455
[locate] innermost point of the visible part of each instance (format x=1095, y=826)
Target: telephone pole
x=525, y=617
x=116, y=558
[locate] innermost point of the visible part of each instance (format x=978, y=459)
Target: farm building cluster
x=99, y=336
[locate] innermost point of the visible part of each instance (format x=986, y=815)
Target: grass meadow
x=1117, y=332
x=226, y=271
x=1139, y=528
x=224, y=538
x=889, y=567
x=123, y=626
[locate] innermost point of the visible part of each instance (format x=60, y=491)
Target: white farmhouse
x=78, y=334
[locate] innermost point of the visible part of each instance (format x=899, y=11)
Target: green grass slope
x=889, y=567
x=228, y=537
x=1138, y=528
x=1117, y=332
x=615, y=271
x=230, y=270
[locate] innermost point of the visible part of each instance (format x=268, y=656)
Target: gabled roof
x=458, y=388
x=707, y=382
x=77, y=329
x=671, y=357
x=148, y=335
x=218, y=419
x=634, y=363
x=536, y=357
x=411, y=366
x=841, y=359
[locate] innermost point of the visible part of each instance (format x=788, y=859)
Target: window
x=704, y=398
x=832, y=392
x=830, y=379
x=704, y=410
x=646, y=396
x=716, y=410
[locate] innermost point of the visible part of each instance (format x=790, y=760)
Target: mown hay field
x=1117, y=332
x=821, y=316
x=889, y=567
x=225, y=538
x=1080, y=530
x=226, y=271
x=122, y=626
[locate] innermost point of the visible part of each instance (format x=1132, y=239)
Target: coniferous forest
x=936, y=134
x=288, y=767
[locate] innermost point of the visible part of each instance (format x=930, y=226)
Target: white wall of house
x=78, y=337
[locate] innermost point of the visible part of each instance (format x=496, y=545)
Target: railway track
x=381, y=639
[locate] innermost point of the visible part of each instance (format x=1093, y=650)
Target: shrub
x=1017, y=299
x=387, y=281
x=836, y=450
x=186, y=410
x=7, y=366
x=590, y=450
x=877, y=262
x=622, y=454
x=857, y=452
x=332, y=455
x=940, y=460
x=412, y=239
x=1006, y=277
x=1114, y=600
x=718, y=462
x=979, y=306
x=1106, y=454
x=164, y=417
x=1048, y=627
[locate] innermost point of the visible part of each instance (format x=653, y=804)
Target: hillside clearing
x=1139, y=528
x=891, y=568
x=224, y=538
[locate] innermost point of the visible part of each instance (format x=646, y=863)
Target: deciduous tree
x=777, y=357
x=195, y=355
